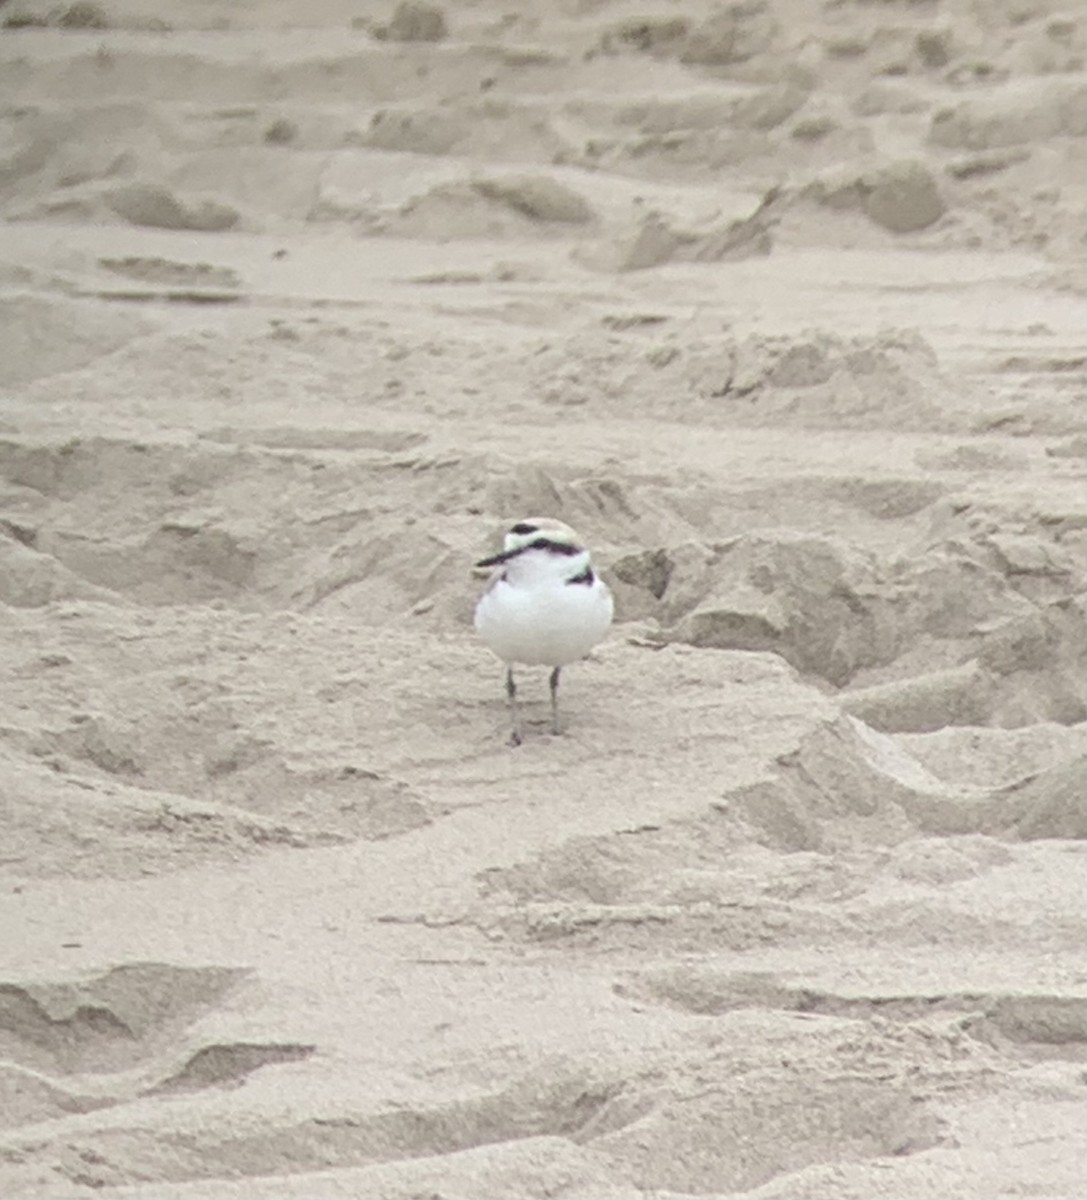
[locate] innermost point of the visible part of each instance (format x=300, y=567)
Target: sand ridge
x=780, y=305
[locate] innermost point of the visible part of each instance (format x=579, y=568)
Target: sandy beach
x=780, y=304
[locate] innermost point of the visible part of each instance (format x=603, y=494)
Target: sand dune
x=780, y=305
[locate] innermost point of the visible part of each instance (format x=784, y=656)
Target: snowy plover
x=544, y=605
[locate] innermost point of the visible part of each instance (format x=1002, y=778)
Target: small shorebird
x=544, y=605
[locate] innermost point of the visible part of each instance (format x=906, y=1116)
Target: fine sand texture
x=779, y=303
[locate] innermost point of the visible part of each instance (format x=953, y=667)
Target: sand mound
x=1007, y=611
x=58, y=149
x=1021, y=111
x=124, y=1026
x=42, y=336
x=816, y=380
x=798, y=596
x=781, y=310
x=993, y=757
x=902, y=197
x=1049, y=805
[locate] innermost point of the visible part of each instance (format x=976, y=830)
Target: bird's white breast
x=545, y=622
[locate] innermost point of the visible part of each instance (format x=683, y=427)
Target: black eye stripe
x=553, y=547
x=523, y=528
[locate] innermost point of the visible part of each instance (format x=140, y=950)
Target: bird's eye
x=523, y=528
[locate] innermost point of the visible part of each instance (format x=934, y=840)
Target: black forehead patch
x=523, y=527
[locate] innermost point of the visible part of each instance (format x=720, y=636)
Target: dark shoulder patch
x=585, y=577
x=523, y=527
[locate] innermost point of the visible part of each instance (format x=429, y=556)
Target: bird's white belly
x=544, y=626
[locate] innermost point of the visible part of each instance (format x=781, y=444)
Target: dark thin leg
x=511, y=695
x=555, y=700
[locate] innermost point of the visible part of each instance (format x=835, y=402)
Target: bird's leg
x=511, y=695
x=555, y=700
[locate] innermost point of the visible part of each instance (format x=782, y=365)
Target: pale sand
x=784, y=312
